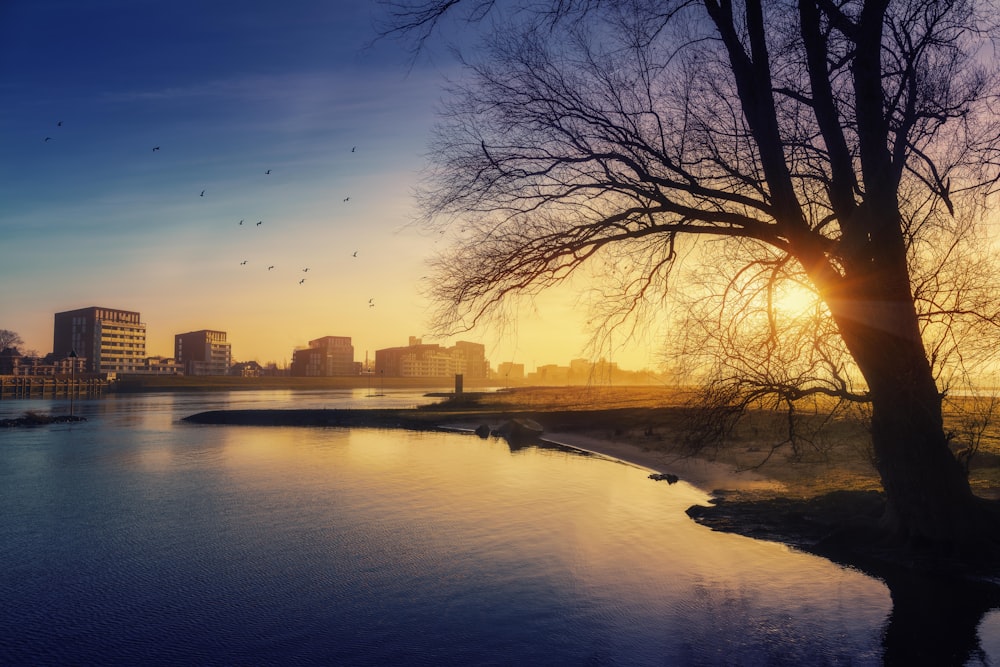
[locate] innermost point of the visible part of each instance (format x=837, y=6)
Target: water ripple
x=141, y=540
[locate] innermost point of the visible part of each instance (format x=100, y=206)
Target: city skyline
x=360, y=354
x=248, y=171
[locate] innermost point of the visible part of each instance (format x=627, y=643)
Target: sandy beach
x=709, y=476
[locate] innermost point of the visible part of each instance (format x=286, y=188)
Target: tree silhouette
x=832, y=143
x=10, y=339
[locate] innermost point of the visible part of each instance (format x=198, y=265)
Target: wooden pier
x=38, y=386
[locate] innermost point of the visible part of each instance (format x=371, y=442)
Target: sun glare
x=794, y=300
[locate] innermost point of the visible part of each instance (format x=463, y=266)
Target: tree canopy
x=851, y=147
x=10, y=339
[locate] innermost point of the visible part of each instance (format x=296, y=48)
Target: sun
x=794, y=299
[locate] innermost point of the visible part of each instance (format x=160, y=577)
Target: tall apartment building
x=325, y=357
x=203, y=352
x=109, y=340
x=433, y=361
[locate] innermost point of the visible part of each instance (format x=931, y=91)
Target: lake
x=136, y=538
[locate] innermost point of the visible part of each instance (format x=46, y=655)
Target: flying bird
x=48, y=138
x=270, y=267
x=260, y=222
x=302, y=281
x=347, y=198
x=355, y=254
x=59, y=124
x=156, y=148
x=305, y=270
x=202, y=194
x=352, y=148
x=268, y=171
x=243, y=262
x=241, y=222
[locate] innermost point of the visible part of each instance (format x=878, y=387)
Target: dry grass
x=586, y=398
x=837, y=458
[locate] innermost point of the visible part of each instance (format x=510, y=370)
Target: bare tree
x=832, y=143
x=750, y=348
x=10, y=339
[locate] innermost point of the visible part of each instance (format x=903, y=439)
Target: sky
x=136, y=135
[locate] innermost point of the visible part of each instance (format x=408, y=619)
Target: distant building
x=471, y=358
x=203, y=352
x=329, y=356
x=271, y=369
x=10, y=361
x=13, y=362
x=247, y=369
x=550, y=374
x=162, y=366
x=510, y=372
x=584, y=372
x=433, y=361
x=109, y=340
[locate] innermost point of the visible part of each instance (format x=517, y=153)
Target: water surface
x=136, y=538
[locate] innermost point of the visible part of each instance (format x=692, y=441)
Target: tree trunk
x=928, y=494
x=929, y=501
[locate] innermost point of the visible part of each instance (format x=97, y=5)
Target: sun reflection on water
x=601, y=529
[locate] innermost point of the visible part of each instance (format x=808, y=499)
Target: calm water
x=135, y=538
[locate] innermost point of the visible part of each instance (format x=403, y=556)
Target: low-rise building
x=329, y=356
x=508, y=371
x=10, y=361
x=433, y=361
x=162, y=366
x=13, y=362
x=204, y=352
x=247, y=369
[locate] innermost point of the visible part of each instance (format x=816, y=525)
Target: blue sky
x=91, y=214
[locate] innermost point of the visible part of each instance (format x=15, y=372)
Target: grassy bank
x=654, y=419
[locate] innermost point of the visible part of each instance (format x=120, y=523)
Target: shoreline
x=840, y=524
x=712, y=477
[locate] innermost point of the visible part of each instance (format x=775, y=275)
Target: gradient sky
x=92, y=215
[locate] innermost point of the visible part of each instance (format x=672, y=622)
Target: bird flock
x=260, y=223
